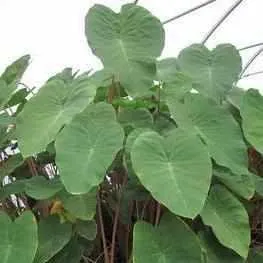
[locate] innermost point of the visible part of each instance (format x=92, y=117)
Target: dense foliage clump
x=145, y=161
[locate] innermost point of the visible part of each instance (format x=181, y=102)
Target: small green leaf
x=114, y=39
x=9, y=165
x=80, y=206
x=18, y=239
x=172, y=241
x=252, y=118
x=40, y=188
x=15, y=71
x=180, y=163
x=52, y=236
x=214, y=72
x=228, y=219
x=87, y=229
x=92, y=140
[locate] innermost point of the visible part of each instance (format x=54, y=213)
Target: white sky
x=52, y=32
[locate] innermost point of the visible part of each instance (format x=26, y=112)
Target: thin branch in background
x=252, y=74
x=222, y=19
x=251, y=60
x=251, y=46
x=136, y=2
x=188, y=11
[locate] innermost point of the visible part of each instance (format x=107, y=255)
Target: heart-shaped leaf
x=114, y=39
x=214, y=72
x=18, y=239
x=44, y=115
x=217, y=128
x=228, y=219
x=179, y=163
x=167, y=243
x=92, y=140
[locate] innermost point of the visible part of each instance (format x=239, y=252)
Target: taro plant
x=145, y=161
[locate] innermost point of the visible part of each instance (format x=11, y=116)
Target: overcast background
x=52, y=32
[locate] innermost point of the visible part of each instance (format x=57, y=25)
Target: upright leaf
x=127, y=43
x=228, y=219
x=15, y=71
x=213, y=72
x=45, y=114
x=92, y=140
x=179, y=163
x=252, y=118
x=18, y=239
x=172, y=241
x=52, y=236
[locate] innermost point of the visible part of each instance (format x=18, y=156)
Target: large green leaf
x=170, y=242
x=215, y=252
x=228, y=219
x=213, y=72
x=92, y=140
x=44, y=115
x=52, y=236
x=127, y=43
x=87, y=229
x=18, y=239
x=179, y=163
x=217, y=128
x=252, y=118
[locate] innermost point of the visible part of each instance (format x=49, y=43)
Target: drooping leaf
x=217, y=128
x=241, y=184
x=87, y=229
x=82, y=206
x=52, y=236
x=114, y=39
x=180, y=163
x=18, y=97
x=172, y=241
x=215, y=252
x=40, y=188
x=228, y=219
x=18, y=239
x=92, y=140
x=213, y=72
x=44, y=115
x=252, y=118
